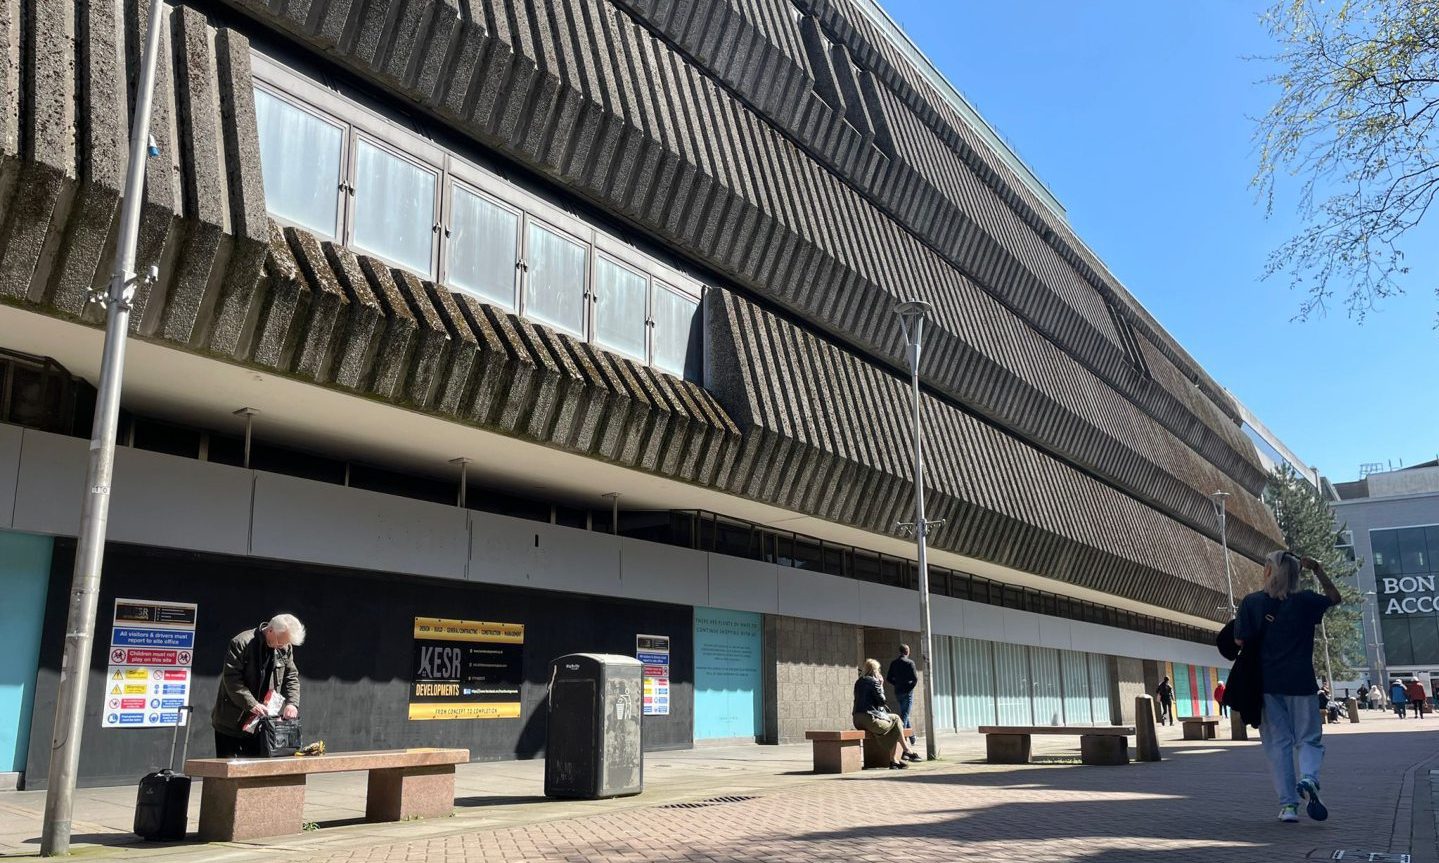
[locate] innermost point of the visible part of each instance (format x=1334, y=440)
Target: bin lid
x=599, y=658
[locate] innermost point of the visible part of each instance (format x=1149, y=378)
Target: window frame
x=360, y=118
x=342, y=197
x=361, y=135
x=587, y=279
x=452, y=180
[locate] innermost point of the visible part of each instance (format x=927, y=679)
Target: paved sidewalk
x=1207, y=801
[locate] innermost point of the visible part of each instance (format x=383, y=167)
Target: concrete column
x=1237, y=729
x=1146, y=739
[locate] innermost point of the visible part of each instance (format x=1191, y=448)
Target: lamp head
x=911, y=315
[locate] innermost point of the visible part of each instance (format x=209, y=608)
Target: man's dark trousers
x=906, y=704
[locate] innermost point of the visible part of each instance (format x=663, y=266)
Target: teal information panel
x=24, y=576
x=727, y=679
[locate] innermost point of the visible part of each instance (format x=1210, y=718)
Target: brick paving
x=1207, y=802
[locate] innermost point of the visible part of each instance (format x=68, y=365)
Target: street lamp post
x=1219, y=499
x=90, y=548
x=911, y=322
x=1378, y=643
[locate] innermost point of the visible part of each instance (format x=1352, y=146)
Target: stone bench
x=836, y=751
x=1201, y=727
x=1098, y=744
x=250, y=798
x=847, y=751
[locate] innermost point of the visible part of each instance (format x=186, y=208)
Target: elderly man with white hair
x=258, y=661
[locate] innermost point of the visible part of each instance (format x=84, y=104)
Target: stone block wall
x=809, y=671
x=883, y=645
x=1127, y=677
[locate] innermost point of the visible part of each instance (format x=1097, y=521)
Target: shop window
x=1413, y=555
x=483, y=246
x=620, y=295
x=394, y=207
x=555, y=284
x=674, y=315
x=300, y=157
x=1385, y=546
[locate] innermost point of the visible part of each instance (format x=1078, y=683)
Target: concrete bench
x=836, y=751
x=1098, y=744
x=250, y=798
x=1201, y=727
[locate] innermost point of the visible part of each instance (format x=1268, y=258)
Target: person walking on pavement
x=1282, y=619
x=1399, y=698
x=1415, y=690
x=258, y=661
x=904, y=678
x=871, y=714
x=1165, y=695
x=1219, y=699
x=1376, y=698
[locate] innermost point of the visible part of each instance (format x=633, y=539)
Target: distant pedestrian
x=1165, y=695
x=1376, y=698
x=1282, y=619
x=1219, y=699
x=904, y=678
x=1398, y=697
x=871, y=714
x=1415, y=690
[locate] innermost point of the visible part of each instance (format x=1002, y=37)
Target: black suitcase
x=162, y=808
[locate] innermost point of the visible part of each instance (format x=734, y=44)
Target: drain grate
x=1370, y=856
x=714, y=801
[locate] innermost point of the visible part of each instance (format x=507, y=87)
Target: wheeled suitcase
x=162, y=808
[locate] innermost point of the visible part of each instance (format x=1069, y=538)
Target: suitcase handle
x=174, y=736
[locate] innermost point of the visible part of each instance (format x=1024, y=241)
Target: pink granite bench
x=249, y=798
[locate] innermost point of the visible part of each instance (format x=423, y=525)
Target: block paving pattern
x=1210, y=803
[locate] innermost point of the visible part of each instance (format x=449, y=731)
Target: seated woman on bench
x=873, y=715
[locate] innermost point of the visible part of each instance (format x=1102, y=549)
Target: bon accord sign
x=1409, y=594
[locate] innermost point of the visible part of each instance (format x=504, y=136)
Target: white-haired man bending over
x=258, y=661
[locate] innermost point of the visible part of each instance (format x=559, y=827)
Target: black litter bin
x=592, y=747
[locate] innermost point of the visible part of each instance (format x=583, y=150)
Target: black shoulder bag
x=1244, y=688
x=276, y=737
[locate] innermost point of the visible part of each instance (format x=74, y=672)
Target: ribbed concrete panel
x=705, y=192
x=1003, y=500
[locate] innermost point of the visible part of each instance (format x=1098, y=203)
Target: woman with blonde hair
x=1280, y=620
x=873, y=715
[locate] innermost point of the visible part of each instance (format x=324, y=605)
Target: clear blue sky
x=1138, y=117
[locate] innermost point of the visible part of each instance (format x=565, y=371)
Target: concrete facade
x=789, y=158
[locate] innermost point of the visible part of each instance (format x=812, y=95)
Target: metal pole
x=1328, y=667
x=1220, y=499
x=249, y=415
x=912, y=314
x=464, y=464
x=90, y=549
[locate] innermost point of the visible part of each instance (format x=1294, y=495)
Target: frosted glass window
x=942, y=683
x=482, y=247
x=1012, y=685
x=300, y=161
x=1078, y=704
x=394, y=207
x=555, y=288
x=674, y=316
x=1101, y=689
x=974, y=683
x=1044, y=669
x=620, y=308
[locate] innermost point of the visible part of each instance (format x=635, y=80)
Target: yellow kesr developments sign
x=466, y=669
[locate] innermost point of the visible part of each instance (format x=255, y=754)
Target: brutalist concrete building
x=577, y=316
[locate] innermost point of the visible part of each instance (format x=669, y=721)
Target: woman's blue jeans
x=1291, y=725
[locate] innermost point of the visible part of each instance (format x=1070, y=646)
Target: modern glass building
x=1391, y=521
x=577, y=316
